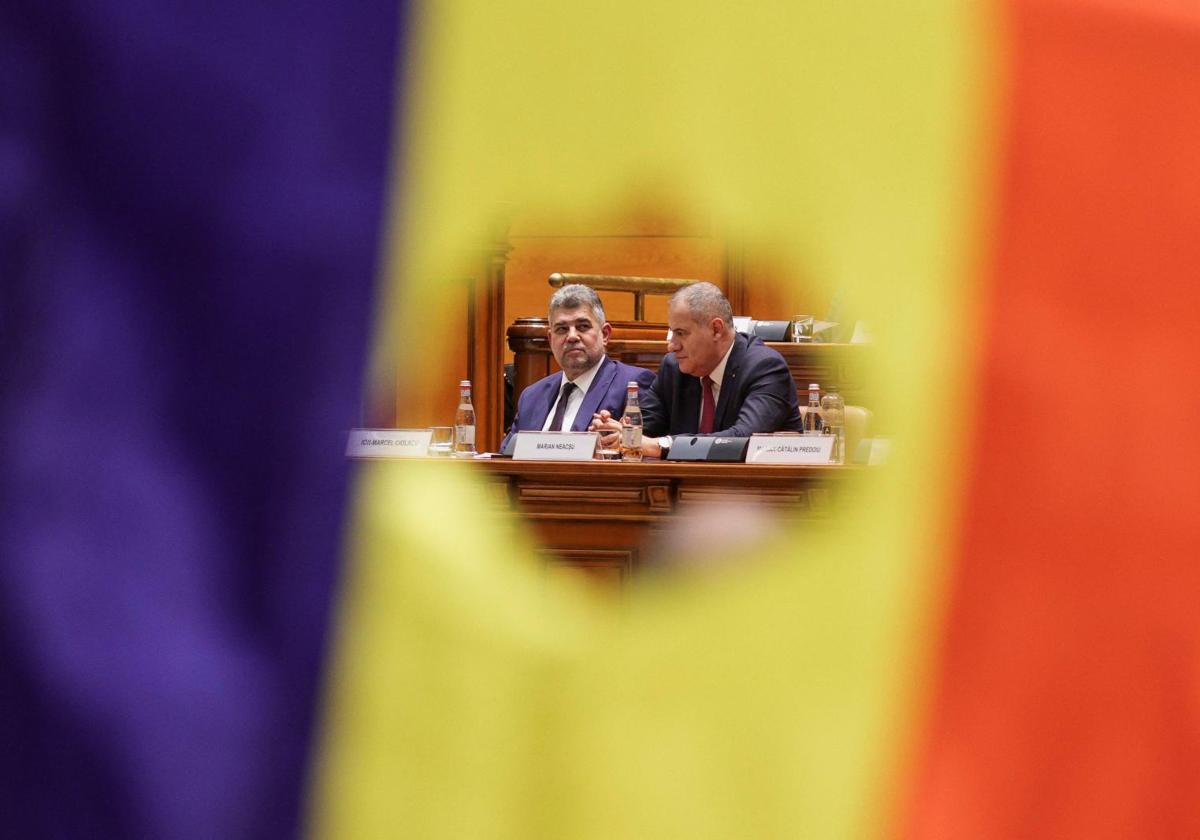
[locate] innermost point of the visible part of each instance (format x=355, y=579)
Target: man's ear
x=717, y=326
x=605, y=332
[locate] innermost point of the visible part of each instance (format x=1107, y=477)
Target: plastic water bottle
x=464, y=422
x=833, y=416
x=812, y=414
x=631, y=425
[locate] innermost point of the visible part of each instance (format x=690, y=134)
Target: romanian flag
x=218, y=222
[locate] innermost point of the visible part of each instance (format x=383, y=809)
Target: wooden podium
x=600, y=517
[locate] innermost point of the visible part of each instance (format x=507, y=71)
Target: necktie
x=708, y=407
x=557, y=422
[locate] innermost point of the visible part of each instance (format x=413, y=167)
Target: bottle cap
x=632, y=384
x=812, y=385
x=466, y=383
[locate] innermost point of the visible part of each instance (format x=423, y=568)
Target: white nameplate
x=789, y=449
x=388, y=443
x=555, y=446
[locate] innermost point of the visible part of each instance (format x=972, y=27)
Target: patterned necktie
x=708, y=407
x=561, y=410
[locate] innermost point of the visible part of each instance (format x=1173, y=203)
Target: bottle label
x=464, y=434
x=812, y=421
x=631, y=437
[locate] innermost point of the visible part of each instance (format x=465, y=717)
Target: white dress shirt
x=582, y=383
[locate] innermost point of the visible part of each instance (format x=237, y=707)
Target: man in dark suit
x=590, y=382
x=714, y=380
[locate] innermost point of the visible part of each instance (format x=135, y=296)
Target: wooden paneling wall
x=637, y=243
x=436, y=405
x=772, y=292
x=645, y=244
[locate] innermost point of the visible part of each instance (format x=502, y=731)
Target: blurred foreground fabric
x=190, y=204
x=1068, y=699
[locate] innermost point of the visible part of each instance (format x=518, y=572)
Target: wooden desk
x=598, y=517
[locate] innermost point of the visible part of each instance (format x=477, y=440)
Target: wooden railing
x=639, y=286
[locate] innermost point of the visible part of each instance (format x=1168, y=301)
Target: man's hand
x=650, y=448
x=609, y=429
x=610, y=434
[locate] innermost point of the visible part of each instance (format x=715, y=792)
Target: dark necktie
x=708, y=407
x=557, y=422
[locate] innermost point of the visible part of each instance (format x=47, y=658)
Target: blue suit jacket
x=757, y=395
x=606, y=391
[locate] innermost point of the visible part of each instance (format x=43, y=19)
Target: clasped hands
x=610, y=434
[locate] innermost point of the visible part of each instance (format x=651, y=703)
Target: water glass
x=441, y=442
x=802, y=329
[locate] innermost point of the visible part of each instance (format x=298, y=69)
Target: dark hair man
x=590, y=382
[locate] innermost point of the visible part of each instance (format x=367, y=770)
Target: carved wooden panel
x=659, y=496
x=775, y=497
x=581, y=496
x=598, y=517
x=611, y=566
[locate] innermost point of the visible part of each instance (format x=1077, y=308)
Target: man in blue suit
x=590, y=382
x=714, y=380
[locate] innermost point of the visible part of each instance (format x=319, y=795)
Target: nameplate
x=555, y=446
x=790, y=449
x=388, y=443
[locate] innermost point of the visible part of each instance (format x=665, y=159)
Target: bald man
x=713, y=380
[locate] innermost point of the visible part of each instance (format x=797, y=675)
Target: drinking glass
x=610, y=454
x=441, y=442
x=802, y=328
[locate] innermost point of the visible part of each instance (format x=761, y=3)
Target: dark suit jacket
x=757, y=395
x=606, y=391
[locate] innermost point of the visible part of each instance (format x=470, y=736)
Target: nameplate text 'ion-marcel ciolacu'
x=388, y=443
